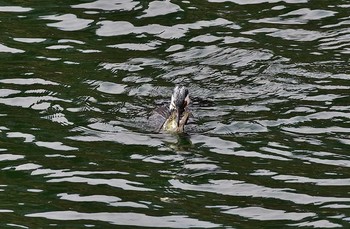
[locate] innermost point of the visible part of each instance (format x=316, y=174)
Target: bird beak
x=179, y=110
x=187, y=100
x=178, y=117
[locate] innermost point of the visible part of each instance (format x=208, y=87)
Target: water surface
x=267, y=145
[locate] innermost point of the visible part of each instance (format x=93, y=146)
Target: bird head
x=179, y=101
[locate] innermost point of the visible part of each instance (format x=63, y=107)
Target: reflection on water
x=267, y=143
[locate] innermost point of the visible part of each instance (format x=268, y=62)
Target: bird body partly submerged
x=173, y=118
x=171, y=125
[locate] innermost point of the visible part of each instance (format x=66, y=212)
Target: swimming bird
x=174, y=117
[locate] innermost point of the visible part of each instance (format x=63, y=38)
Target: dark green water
x=268, y=146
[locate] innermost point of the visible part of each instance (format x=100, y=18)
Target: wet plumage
x=174, y=117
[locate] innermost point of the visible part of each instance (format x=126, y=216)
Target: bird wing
x=159, y=117
x=163, y=111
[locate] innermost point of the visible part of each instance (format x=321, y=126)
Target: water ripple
x=300, y=16
x=116, y=134
x=10, y=157
x=29, y=101
x=4, y=48
x=258, y=213
x=157, y=8
x=321, y=182
x=67, y=22
x=110, y=200
x=116, y=183
x=129, y=219
x=118, y=28
x=243, y=189
x=113, y=5
x=30, y=81
x=15, y=9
